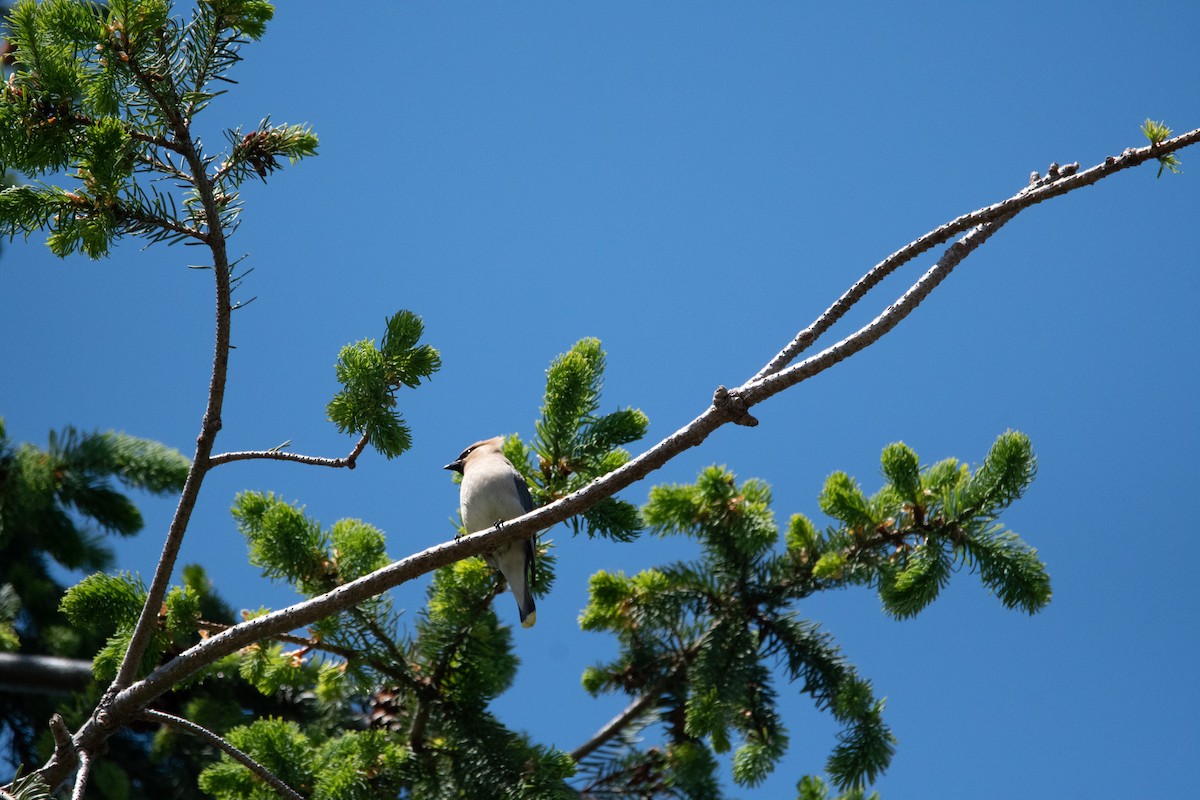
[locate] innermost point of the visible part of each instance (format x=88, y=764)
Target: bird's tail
x=525, y=596
x=527, y=608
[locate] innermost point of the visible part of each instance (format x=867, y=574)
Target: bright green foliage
x=460, y=640
x=704, y=635
x=358, y=548
x=287, y=545
x=269, y=669
x=371, y=376
x=574, y=445
x=113, y=599
x=49, y=498
x=283, y=541
x=1157, y=133
x=110, y=604
x=108, y=93
x=954, y=522
x=709, y=638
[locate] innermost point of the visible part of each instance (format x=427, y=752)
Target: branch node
x=64, y=746
x=731, y=405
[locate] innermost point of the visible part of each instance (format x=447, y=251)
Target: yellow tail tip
x=530, y=620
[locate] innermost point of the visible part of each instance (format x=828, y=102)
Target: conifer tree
x=108, y=95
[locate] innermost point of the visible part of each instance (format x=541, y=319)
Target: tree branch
x=349, y=461
x=1039, y=189
x=211, y=424
x=635, y=709
x=728, y=406
x=225, y=747
x=81, y=777
x=615, y=725
x=22, y=672
x=416, y=733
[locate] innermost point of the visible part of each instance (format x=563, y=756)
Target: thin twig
x=156, y=164
x=81, y=777
x=348, y=461
x=225, y=747
x=131, y=212
x=312, y=644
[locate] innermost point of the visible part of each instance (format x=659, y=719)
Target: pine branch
x=621, y=721
x=225, y=747
x=416, y=733
x=615, y=726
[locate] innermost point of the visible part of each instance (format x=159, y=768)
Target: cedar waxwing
x=492, y=492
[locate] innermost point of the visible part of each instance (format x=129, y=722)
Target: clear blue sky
x=692, y=183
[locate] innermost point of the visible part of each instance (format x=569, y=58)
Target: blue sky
x=692, y=183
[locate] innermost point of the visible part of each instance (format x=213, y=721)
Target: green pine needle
x=1157, y=133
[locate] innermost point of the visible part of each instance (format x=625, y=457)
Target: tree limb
x=1039, y=189
x=349, y=461
x=211, y=424
x=33, y=674
x=225, y=747
x=615, y=725
x=81, y=777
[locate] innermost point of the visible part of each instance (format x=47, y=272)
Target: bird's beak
x=455, y=465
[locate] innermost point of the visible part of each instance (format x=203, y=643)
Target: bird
x=491, y=493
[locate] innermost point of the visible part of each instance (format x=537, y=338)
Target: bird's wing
x=523, y=492
x=530, y=563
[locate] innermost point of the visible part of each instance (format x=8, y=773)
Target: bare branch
x=755, y=391
x=65, y=757
x=615, y=725
x=1053, y=185
x=225, y=747
x=81, y=777
x=349, y=462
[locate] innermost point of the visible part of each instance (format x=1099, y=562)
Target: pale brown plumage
x=492, y=492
